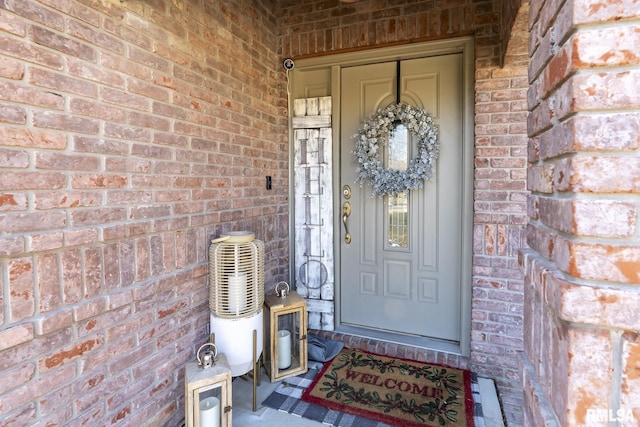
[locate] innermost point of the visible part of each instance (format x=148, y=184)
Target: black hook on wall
x=398, y=82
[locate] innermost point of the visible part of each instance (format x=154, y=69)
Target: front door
x=401, y=273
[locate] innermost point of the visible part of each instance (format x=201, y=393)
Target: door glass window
x=398, y=220
x=398, y=152
x=398, y=207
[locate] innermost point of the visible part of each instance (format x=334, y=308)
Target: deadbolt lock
x=346, y=192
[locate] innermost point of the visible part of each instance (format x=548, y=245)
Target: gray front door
x=402, y=271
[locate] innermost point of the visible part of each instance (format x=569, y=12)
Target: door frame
x=332, y=64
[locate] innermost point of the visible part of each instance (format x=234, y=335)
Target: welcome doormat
x=393, y=390
x=287, y=398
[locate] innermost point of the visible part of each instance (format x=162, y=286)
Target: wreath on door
x=372, y=136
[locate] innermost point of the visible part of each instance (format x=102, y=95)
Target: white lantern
x=236, y=297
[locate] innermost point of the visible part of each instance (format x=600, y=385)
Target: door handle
x=346, y=211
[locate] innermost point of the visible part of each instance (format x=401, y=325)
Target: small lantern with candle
x=207, y=385
x=286, y=333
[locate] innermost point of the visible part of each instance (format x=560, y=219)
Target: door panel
x=408, y=281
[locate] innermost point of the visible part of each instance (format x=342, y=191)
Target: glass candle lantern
x=285, y=333
x=208, y=391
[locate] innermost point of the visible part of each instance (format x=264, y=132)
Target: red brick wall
x=321, y=27
x=583, y=269
x=500, y=218
x=131, y=132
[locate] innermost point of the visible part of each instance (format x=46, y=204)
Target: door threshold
x=411, y=340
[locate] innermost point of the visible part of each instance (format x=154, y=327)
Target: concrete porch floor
x=244, y=416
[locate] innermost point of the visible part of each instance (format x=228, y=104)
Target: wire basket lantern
x=236, y=275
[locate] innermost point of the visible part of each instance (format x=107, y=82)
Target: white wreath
x=375, y=132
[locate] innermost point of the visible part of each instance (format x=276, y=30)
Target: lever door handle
x=346, y=211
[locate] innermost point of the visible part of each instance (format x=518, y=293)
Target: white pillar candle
x=237, y=293
x=284, y=349
x=210, y=412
